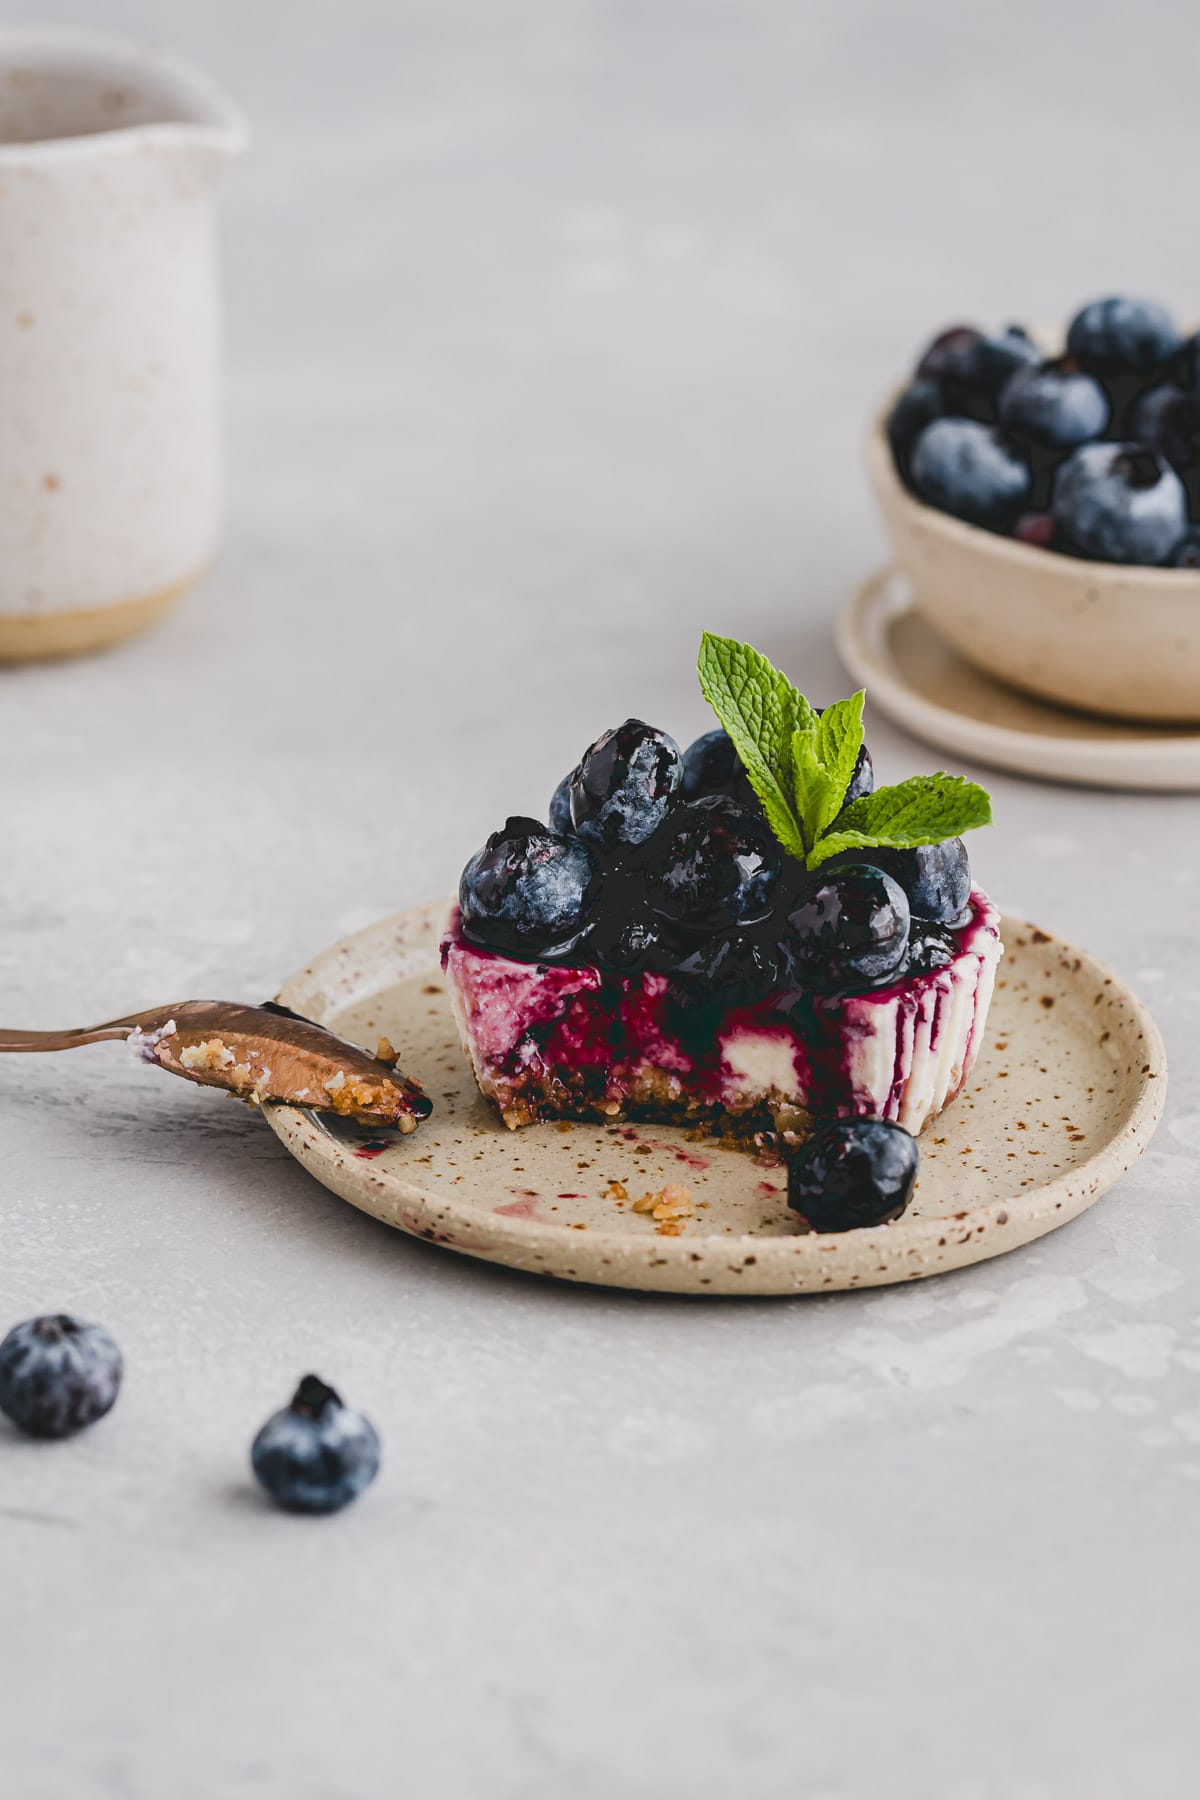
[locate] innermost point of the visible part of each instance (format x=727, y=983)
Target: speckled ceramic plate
x=1064, y=1098
x=924, y=685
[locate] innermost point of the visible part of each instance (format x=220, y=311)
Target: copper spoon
x=260, y=1053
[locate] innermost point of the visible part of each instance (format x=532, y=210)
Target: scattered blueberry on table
x=316, y=1455
x=58, y=1375
x=853, y=1173
x=1094, y=453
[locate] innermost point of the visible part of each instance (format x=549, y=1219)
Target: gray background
x=553, y=329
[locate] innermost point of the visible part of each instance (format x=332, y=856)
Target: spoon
x=259, y=1053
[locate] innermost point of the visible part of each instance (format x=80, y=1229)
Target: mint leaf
x=800, y=764
x=839, y=740
x=926, y=809
x=818, y=798
x=761, y=711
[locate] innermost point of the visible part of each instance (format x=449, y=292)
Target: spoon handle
x=70, y=1040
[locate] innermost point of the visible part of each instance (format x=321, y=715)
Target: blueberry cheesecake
x=745, y=937
x=1094, y=453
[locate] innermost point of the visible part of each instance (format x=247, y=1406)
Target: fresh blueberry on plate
x=57, y=1375
x=317, y=1454
x=853, y=1173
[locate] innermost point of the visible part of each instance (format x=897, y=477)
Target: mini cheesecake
x=552, y=1041
x=746, y=937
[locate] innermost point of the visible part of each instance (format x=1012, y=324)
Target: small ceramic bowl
x=1102, y=637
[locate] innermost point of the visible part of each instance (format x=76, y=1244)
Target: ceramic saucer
x=925, y=686
x=1064, y=1098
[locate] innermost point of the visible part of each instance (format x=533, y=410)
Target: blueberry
x=1112, y=335
x=930, y=947
x=975, y=371
x=1120, y=503
x=719, y=864
x=1035, y=528
x=711, y=765
x=560, y=807
x=863, y=779
x=526, y=890
x=624, y=785
x=935, y=877
x=920, y=403
x=969, y=470
x=58, y=1375
x=732, y=969
x=316, y=1455
x=949, y=345
x=850, y=929
x=1186, y=554
x=853, y=1172
x=1053, y=405
x=1189, y=364
x=1166, y=419
x=627, y=938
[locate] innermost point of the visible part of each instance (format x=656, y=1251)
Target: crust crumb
x=210, y=1055
x=668, y=1208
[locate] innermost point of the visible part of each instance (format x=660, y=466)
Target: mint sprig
x=925, y=809
x=800, y=763
x=763, y=713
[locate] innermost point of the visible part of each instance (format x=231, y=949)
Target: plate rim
x=1130, y=763
x=1032, y=1212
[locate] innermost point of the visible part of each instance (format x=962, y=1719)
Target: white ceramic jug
x=109, y=335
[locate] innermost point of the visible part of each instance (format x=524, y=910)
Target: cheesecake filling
x=552, y=1041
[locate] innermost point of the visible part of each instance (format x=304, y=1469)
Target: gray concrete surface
x=552, y=332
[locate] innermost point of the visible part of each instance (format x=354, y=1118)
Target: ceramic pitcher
x=109, y=336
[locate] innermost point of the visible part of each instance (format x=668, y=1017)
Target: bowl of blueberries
x=1044, y=504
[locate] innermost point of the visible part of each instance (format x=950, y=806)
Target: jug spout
x=66, y=93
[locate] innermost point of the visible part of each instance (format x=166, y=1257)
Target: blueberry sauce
x=600, y=1030
x=373, y=1147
